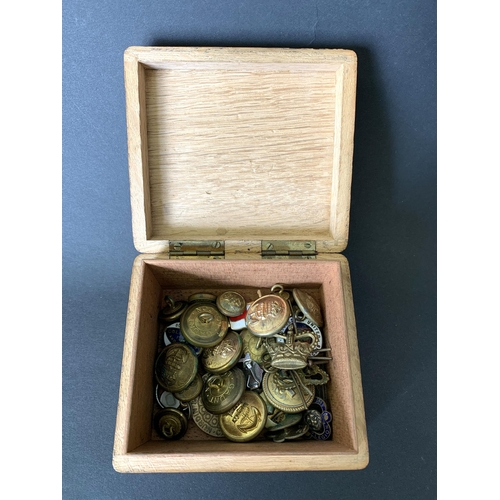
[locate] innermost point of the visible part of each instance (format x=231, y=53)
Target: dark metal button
x=173, y=310
x=170, y=423
x=222, y=391
x=176, y=367
x=191, y=391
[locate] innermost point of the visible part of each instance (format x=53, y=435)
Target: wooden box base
x=153, y=276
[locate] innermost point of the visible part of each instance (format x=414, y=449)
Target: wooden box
x=240, y=165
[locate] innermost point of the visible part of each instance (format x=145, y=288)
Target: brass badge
x=191, y=391
x=223, y=356
x=176, y=367
x=246, y=420
x=267, y=315
x=308, y=306
x=170, y=423
x=286, y=392
x=203, y=325
x=222, y=392
x=292, y=354
x=231, y=304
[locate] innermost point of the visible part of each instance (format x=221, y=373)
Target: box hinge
x=196, y=249
x=288, y=249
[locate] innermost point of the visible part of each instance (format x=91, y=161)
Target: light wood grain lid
x=240, y=144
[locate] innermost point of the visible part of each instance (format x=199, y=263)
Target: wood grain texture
x=240, y=144
x=153, y=276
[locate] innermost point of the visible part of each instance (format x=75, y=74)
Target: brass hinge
x=196, y=249
x=288, y=249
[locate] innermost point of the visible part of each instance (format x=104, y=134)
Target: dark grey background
x=392, y=246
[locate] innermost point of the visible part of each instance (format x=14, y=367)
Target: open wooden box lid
x=240, y=146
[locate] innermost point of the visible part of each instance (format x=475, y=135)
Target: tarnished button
x=308, y=306
x=222, y=391
x=267, y=315
x=191, y=391
x=203, y=325
x=176, y=367
x=246, y=420
x=231, y=304
x=283, y=392
x=250, y=342
x=206, y=421
x=224, y=355
x=173, y=310
x=202, y=297
x=170, y=423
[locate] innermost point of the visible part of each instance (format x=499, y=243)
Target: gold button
x=231, y=304
x=222, y=357
x=203, y=325
x=246, y=420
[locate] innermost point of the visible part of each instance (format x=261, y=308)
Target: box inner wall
x=256, y=140
x=181, y=278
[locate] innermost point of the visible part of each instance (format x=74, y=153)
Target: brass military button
x=176, y=367
x=224, y=355
x=246, y=420
x=308, y=306
x=191, y=391
x=202, y=297
x=173, y=310
x=206, y=421
x=203, y=325
x=222, y=391
x=250, y=342
x=267, y=315
x=170, y=423
x=231, y=304
x=285, y=393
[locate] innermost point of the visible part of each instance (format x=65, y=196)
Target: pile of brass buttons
x=242, y=367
